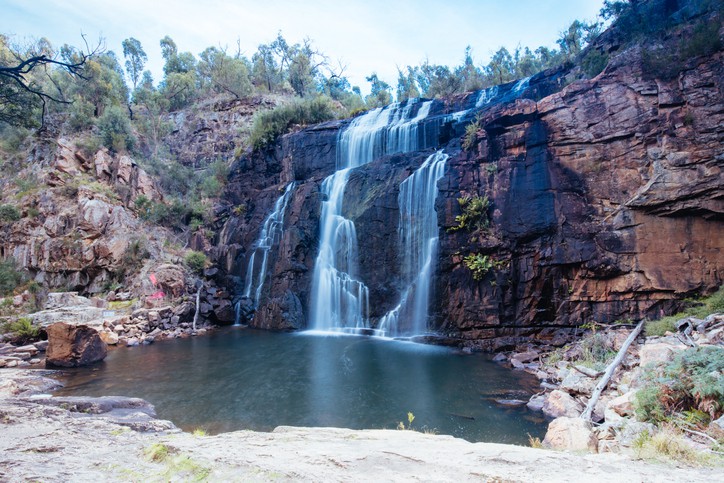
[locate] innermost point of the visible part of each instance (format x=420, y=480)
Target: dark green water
x=246, y=379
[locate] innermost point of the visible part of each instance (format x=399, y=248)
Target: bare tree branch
x=17, y=75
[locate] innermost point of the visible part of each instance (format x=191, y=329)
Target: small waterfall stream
x=339, y=299
x=269, y=236
x=419, y=235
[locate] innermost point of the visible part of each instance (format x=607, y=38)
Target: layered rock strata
x=606, y=203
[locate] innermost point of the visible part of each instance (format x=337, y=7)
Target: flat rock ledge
x=49, y=439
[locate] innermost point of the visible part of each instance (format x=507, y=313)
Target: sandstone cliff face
x=606, y=204
x=607, y=200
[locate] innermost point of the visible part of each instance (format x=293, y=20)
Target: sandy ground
x=112, y=439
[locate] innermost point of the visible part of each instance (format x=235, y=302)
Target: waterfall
x=339, y=299
x=418, y=233
x=486, y=96
x=270, y=235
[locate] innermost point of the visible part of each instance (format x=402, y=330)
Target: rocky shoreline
x=118, y=439
x=120, y=326
x=568, y=376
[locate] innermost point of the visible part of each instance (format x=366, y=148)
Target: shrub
x=691, y=381
x=475, y=213
x=667, y=444
x=480, y=265
x=695, y=308
x=663, y=325
x=196, y=261
x=89, y=145
x=9, y=277
x=704, y=39
x=23, y=330
x=666, y=62
x=470, y=138
x=115, y=129
x=269, y=125
x=133, y=258
x=9, y=213
x=80, y=114
x=157, y=452
x=596, y=351
x=594, y=62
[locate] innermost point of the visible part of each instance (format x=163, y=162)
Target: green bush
x=10, y=278
x=133, y=258
x=196, y=261
x=269, y=125
x=691, y=381
x=704, y=39
x=662, y=326
x=80, y=114
x=695, y=308
x=594, y=62
x=9, y=213
x=470, y=138
x=597, y=351
x=22, y=330
x=115, y=129
x=480, y=265
x=475, y=213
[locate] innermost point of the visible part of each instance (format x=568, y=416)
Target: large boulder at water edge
x=74, y=345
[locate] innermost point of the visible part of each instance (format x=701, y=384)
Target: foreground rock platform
x=46, y=439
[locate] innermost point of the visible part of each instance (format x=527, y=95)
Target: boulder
x=536, y=403
x=657, y=353
x=81, y=314
x=57, y=300
x=517, y=364
x=41, y=345
x=73, y=346
x=571, y=434
x=524, y=357
x=109, y=337
x=632, y=430
x=171, y=279
x=717, y=428
x=622, y=405
x=94, y=215
x=224, y=311
x=561, y=404
x=578, y=383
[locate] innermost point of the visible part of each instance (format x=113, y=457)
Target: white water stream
x=339, y=299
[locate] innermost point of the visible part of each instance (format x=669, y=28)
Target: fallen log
x=586, y=415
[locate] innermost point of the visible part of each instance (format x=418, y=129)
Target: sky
x=365, y=35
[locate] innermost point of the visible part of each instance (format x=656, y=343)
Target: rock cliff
x=606, y=203
x=77, y=223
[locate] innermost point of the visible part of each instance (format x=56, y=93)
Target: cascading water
x=418, y=232
x=340, y=300
x=486, y=96
x=269, y=236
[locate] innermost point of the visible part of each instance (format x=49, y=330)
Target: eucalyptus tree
x=136, y=59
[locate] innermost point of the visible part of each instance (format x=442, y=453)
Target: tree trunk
x=198, y=307
x=609, y=372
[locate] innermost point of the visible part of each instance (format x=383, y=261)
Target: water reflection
x=246, y=379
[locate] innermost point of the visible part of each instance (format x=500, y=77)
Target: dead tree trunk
x=198, y=306
x=609, y=372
